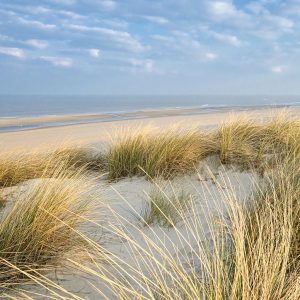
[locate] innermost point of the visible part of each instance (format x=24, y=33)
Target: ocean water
x=28, y=106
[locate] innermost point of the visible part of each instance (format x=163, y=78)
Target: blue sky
x=149, y=47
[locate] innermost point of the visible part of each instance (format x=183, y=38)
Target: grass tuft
x=38, y=229
x=165, y=206
x=79, y=157
x=16, y=168
x=166, y=154
x=241, y=142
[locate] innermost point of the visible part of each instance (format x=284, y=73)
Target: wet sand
x=29, y=123
x=99, y=132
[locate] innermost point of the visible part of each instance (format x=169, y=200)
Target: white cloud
x=157, y=20
x=95, y=53
x=123, y=38
x=273, y=27
x=227, y=38
x=108, y=4
x=222, y=9
x=163, y=38
x=41, y=10
x=58, y=61
x=230, y=39
x=36, y=24
x=39, y=44
x=283, y=23
x=278, y=69
x=191, y=47
x=187, y=45
x=256, y=7
x=15, y=52
x=38, y=10
x=69, y=14
x=185, y=41
x=146, y=65
x=211, y=56
x=256, y=19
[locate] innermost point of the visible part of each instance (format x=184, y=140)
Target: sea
x=12, y=106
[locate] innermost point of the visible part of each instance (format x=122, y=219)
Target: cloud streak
x=157, y=20
x=36, y=24
x=230, y=39
x=278, y=69
x=15, y=52
x=39, y=44
x=64, y=62
x=95, y=53
x=122, y=38
x=146, y=65
x=108, y=4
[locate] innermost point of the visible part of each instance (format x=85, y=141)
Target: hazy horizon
x=147, y=95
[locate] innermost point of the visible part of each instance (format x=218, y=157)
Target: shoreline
x=99, y=134
x=16, y=124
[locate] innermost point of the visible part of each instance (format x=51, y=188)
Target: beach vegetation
x=241, y=141
x=40, y=227
x=18, y=167
x=165, y=206
x=165, y=154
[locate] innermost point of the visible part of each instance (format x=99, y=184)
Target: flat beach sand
x=101, y=131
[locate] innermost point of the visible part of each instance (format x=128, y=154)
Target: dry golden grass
x=79, y=157
x=241, y=141
x=15, y=169
x=281, y=190
x=283, y=133
x=165, y=154
x=19, y=167
x=40, y=227
x=165, y=205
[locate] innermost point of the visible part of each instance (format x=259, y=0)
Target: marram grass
x=173, y=152
x=243, y=142
x=18, y=167
x=39, y=228
x=165, y=205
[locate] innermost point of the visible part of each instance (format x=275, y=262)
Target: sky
x=150, y=47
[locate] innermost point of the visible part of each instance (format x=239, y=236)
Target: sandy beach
x=99, y=132
x=119, y=220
